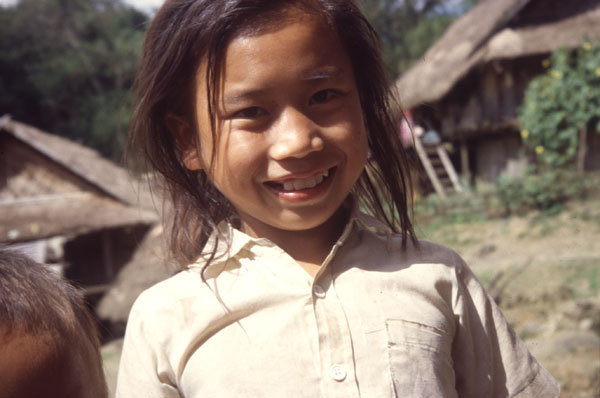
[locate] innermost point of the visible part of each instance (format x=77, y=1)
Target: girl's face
x=291, y=141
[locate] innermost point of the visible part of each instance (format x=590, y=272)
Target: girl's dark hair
x=185, y=32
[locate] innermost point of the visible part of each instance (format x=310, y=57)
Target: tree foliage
x=409, y=27
x=562, y=103
x=558, y=110
x=67, y=67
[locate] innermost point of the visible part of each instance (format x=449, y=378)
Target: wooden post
x=107, y=257
x=464, y=158
x=582, y=150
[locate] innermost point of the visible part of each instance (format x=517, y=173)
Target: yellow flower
x=556, y=74
x=598, y=71
x=524, y=133
x=539, y=149
x=587, y=46
x=546, y=63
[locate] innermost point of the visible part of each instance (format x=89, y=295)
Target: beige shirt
x=377, y=321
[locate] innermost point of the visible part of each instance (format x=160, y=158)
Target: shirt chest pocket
x=420, y=360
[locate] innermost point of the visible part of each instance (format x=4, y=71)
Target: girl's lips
x=299, y=190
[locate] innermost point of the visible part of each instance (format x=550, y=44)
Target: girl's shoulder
x=381, y=240
x=377, y=239
x=385, y=250
x=436, y=252
x=171, y=293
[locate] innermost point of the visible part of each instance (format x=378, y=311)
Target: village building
x=64, y=205
x=469, y=85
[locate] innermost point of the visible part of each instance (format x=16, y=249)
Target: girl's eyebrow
x=326, y=72
x=239, y=96
x=322, y=73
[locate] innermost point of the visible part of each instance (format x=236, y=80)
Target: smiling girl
x=271, y=124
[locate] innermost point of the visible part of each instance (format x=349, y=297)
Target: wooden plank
x=449, y=168
x=428, y=167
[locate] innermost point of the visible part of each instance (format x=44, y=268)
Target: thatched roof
x=67, y=214
x=113, y=203
x=496, y=29
x=84, y=162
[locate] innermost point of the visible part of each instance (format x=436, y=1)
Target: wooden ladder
x=438, y=167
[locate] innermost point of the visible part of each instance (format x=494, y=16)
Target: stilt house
x=470, y=83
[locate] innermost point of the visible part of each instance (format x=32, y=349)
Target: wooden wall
x=479, y=115
x=487, y=100
x=27, y=173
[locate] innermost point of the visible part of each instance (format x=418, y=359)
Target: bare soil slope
x=544, y=271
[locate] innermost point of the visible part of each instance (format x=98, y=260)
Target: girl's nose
x=295, y=136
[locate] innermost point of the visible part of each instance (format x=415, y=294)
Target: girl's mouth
x=302, y=188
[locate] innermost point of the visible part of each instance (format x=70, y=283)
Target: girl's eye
x=323, y=96
x=253, y=112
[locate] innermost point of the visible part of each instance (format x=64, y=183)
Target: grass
x=584, y=276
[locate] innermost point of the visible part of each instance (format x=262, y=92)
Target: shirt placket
x=335, y=340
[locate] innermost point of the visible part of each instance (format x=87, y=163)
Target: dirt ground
x=544, y=271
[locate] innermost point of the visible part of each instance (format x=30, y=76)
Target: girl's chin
x=309, y=221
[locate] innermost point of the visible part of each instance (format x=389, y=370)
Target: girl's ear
x=192, y=159
x=184, y=135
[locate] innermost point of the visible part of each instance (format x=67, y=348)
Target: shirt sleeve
x=490, y=360
x=144, y=369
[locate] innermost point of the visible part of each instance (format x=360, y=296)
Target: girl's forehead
x=267, y=24
x=276, y=19
x=300, y=44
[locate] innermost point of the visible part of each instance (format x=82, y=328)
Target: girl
x=271, y=124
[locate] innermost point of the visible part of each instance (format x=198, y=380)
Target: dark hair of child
x=183, y=33
x=48, y=339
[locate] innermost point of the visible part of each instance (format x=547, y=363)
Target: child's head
x=263, y=112
x=48, y=339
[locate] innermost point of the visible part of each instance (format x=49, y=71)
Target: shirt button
x=337, y=373
x=318, y=291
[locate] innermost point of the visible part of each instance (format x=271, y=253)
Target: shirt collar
x=231, y=241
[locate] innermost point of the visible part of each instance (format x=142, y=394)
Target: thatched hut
x=63, y=204
x=470, y=83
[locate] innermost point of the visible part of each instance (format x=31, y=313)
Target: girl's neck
x=308, y=247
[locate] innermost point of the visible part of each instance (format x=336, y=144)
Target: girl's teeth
x=312, y=182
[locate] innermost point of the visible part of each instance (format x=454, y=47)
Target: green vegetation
x=545, y=189
x=561, y=106
x=584, y=276
x=559, y=109
x=66, y=66
x=545, y=192
x=408, y=28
